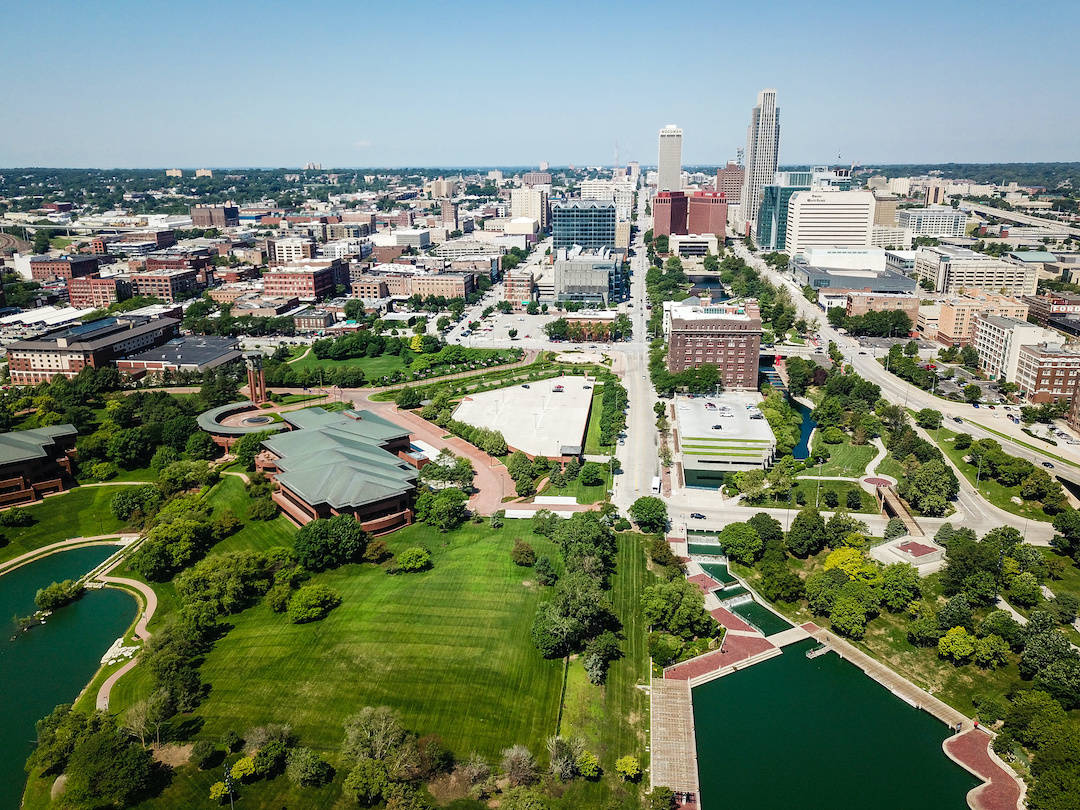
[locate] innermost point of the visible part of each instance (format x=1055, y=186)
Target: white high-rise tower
x=669, y=162
x=762, y=147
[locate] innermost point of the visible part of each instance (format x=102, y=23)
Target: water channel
x=802, y=449
x=818, y=734
x=51, y=663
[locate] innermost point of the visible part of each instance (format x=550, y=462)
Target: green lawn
x=891, y=467
x=592, y=433
x=80, y=512
x=255, y=534
x=845, y=460
x=584, y=494
x=448, y=648
x=1034, y=447
x=811, y=489
x=1000, y=496
x=374, y=367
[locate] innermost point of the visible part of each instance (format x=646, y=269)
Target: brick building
x=669, y=213
x=66, y=351
x=706, y=213
x=1047, y=372
x=305, y=283
x=726, y=334
x=518, y=288
x=1041, y=308
x=95, y=292
x=311, y=320
x=859, y=303
x=215, y=216
x=956, y=321
x=370, y=287
x=168, y=285
x=36, y=462
x=46, y=268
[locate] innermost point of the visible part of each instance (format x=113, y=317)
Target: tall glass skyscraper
x=772, y=215
x=762, y=147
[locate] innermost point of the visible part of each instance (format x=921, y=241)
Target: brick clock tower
x=256, y=377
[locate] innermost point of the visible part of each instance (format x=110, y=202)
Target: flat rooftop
x=728, y=429
x=535, y=417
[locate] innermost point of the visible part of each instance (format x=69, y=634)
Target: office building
x=168, y=285
x=215, y=216
x=531, y=203
x=351, y=463
x=725, y=334
x=619, y=192
x=35, y=463
x=66, y=351
x=174, y=173
x=518, y=288
x=885, y=209
x=954, y=270
x=935, y=194
x=1041, y=308
x=694, y=245
x=892, y=237
x=762, y=148
x=729, y=182
x=859, y=303
x=707, y=213
x=940, y=220
x=313, y=320
x=48, y=268
x=192, y=353
x=1047, y=372
x=588, y=276
x=669, y=213
x=371, y=288
x=772, y=221
x=588, y=223
x=956, y=318
x=669, y=160
x=448, y=214
x=829, y=219
x=536, y=178
x=844, y=280
x=998, y=340
x=291, y=249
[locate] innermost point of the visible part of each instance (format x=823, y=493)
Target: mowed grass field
x=845, y=460
x=449, y=649
x=80, y=512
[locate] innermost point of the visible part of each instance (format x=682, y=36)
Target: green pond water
x=761, y=617
x=819, y=735
x=704, y=548
x=719, y=572
x=50, y=663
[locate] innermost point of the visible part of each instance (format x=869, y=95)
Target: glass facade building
x=588, y=223
x=772, y=215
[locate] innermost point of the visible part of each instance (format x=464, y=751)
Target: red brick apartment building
x=727, y=335
x=96, y=292
x=1047, y=372
x=168, y=285
x=46, y=268
x=215, y=216
x=67, y=351
x=370, y=287
x=305, y=283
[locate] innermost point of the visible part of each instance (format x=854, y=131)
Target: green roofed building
x=348, y=463
x=35, y=462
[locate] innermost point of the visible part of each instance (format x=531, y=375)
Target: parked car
x=697, y=516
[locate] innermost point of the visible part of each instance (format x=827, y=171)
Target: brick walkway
x=673, y=748
x=726, y=618
x=735, y=649
x=705, y=582
x=1000, y=789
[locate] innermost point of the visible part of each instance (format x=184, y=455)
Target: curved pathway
x=872, y=465
x=1001, y=789
x=149, y=607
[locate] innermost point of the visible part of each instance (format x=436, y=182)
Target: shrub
x=232, y=741
x=628, y=768
x=545, y=571
x=522, y=554
x=411, y=560
x=307, y=769
x=664, y=648
x=263, y=509
x=203, y=754
x=519, y=766
x=376, y=552
x=623, y=525
x=270, y=759
x=311, y=603
x=242, y=769
x=853, y=500
x=588, y=765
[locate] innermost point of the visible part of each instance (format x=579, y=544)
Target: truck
x=656, y=483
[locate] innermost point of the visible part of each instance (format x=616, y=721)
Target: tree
x=955, y=613
x=991, y=651
x=408, y=398
x=311, y=603
x=660, y=798
x=592, y=474
x=519, y=766
x=928, y=418
x=767, y=527
x=899, y=585
x=741, y=543
x=957, y=645
x=308, y=769
x=650, y=513
x=1024, y=590
x=328, y=543
x=678, y=607
x=848, y=617
x=106, y=768
x=366, y=782
x=972, y=393
x=807, y=533
x=1061, y=678
x=445, y=509
x=522, y=554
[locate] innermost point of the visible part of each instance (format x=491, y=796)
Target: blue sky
x=487, y=83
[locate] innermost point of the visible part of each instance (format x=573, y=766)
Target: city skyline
x=150, y=104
